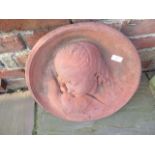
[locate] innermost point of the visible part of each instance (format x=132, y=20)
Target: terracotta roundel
x=83, y=72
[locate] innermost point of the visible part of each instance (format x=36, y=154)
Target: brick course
x=10, y=43
x=139, y=27
x=32, y=39
x=146, y=42
x=30, y=24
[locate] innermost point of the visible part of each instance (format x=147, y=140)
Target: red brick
x=138, y=27
x=10, y=44
x=28, y=24
x=5, y=73
x=144, y=42
x=32, y=39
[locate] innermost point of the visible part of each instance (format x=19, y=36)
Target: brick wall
x=17, y=37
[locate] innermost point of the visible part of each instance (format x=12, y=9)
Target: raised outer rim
x=43, y=39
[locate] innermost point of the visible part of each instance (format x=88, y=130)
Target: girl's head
x=77, y=66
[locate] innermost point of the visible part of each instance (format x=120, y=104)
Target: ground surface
x=20, y=115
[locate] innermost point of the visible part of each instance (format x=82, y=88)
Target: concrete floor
x=19, y=115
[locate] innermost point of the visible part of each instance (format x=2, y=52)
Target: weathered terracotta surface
x=72, y=74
